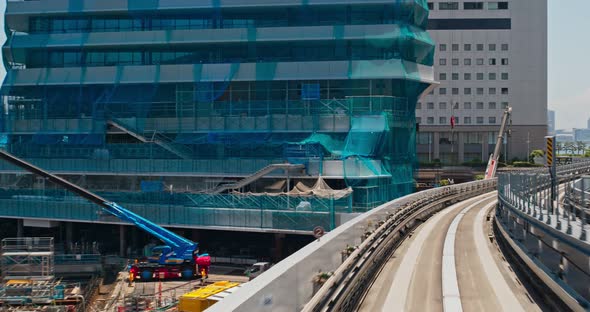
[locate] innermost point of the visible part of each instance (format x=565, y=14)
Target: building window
x=498, y=5
x=430, y=120
x=492, y=91
x=442, y=91
x=492, y=120
x=504, y=105
x=492, y=47
x=455, y=62
x=504, y=47
x=492, y=61
x=467, y=47
x=448, y=5
x=504, y=91
x=479, y=120
x=418, y=105
x=467, y=76
x=467, y=62
x=492, y=76
x=504, y=76
x=504, y=61
x=479, y=61
x=467, y=105
x=455, y=91
x=442, y=105
x=473, y=6
x=492, y=105
x=442, y=76
x=479, y=105
x=455, y=47
x=430, y=6
x=455, y=76
x=479, y=47
x=442, y=47
x=479, y=91
x=467, y=120
x=442, y=120
x=430, y=105
x=467, y=91
x=418, y=120
x=442, y=62
x=479, y=76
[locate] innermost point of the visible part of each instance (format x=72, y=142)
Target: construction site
x=156, y=154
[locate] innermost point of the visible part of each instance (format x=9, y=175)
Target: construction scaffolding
x=28, y=272
x=27, y=258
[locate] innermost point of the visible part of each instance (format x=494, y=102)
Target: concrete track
x=476, y=276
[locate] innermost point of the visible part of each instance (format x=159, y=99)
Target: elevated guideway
x=442, y=249
x=351, y=255
x=449, y=264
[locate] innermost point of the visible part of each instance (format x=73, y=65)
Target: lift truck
x=179, y=258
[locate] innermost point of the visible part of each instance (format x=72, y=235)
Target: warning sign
x=550, y=140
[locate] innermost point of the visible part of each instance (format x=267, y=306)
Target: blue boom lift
x=178, y=258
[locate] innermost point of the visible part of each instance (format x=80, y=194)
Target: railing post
x=583, y=220
x=541, y=198
x=528, y=198
x=535, y=190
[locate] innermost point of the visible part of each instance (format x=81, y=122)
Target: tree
x=559, y=147
x=569, y=147
x=536, y=153
x=581, y=147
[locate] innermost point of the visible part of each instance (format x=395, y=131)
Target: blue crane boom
x=181, y=246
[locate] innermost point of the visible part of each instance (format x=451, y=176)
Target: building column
x=122, y=247
x=485, y=147
x=436, y=146
x=69, y=236
x=460, y=147
x=134, y=238
x=279, y=239
x=20, y=228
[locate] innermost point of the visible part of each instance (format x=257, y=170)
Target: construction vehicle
x=257, y=269
x=493, y=161
x=179, y=258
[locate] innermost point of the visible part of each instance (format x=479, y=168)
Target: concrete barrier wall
x=288, y=285
x=558, y=259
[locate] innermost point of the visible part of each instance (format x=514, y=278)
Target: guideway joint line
x=507, y=299
x=450, y=283
x=398, y=293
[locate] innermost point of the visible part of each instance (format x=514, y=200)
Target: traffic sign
x=550, y=140
x=318, y=232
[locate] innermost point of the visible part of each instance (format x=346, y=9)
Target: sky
x=569, y=61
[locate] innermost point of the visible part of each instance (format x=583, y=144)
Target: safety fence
x=546, y=232
x=257, y=213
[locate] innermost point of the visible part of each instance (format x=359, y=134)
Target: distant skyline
x=569, y=86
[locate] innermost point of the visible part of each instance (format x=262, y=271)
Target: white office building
x=490, y=55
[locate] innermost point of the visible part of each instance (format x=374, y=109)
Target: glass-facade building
x=155, y=103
